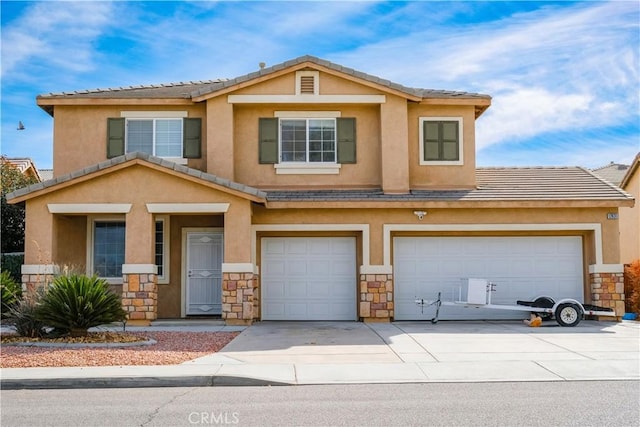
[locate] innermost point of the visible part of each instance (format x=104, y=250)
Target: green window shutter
x=192, y=138
x=115, y=137
x=346, y=139
x=268, y=140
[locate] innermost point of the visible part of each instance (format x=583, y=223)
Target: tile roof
x=198, y=88
x=493, y=184
x=23, y=164
x=613, y=172
x=141, y=156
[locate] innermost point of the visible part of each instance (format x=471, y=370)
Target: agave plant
x=11, y=292
x=77, y=302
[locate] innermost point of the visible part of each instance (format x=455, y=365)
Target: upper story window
x=157, y=137
x=441, y=141
x=308, y=140
x=167, y=134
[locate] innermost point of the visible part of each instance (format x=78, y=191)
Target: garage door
x=522, y=268
x=309, y=278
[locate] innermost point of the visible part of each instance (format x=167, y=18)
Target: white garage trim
x=363, y=228
x=389, y=228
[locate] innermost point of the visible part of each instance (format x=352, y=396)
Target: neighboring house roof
x=188, y=90
x=630, y=171
x=493, y=184
x=25, y=165
x=613, y=172
x=46, y=174
x=41, y=187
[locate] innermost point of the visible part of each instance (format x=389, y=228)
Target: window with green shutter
x=441, y=140
x=172, y=138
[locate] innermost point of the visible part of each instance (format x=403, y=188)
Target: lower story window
x=108, y=248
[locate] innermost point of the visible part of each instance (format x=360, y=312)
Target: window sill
x=441, y=163
x=307, y=168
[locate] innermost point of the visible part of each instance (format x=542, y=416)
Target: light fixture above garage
x=420, y=214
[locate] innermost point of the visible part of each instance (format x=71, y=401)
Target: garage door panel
x=318, y=282
x=522, y=268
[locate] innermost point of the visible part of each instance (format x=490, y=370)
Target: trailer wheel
x=568, y=314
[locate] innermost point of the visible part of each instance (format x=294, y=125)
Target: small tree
x=632, y=288
x=12, y=179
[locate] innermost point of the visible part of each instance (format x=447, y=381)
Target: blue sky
x=564, y=76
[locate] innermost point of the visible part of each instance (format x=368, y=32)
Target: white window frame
x=460, y=160
x=307, y=168
x=164, y=219
x=155, y=115
x=91, y=222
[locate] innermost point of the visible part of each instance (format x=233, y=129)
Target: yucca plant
x=76, y=302
x=11, y=292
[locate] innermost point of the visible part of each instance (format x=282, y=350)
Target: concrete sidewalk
x=298, y=353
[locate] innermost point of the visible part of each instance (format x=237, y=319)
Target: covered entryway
x=308, y=278
x=522, y=268
x=203, y=282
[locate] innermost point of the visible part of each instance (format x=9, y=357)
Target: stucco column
x=395, y=145
x=220, y=137
x=40, y=234
x=239, y=276
x=139, y=279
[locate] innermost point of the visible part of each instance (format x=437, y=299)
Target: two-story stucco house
x=307, y=191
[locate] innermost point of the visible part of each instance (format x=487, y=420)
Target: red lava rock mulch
x=172, y=348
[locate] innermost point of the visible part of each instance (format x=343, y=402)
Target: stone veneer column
x=376, y=297
x=607, y=290
x=37, y=276
x=139, y=296
x=238, y=298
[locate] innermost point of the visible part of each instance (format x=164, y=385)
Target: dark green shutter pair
x=191, y=137
x=268, y=140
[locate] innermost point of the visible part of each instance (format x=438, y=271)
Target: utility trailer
x=567, y=311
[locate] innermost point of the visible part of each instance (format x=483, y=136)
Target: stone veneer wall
x=32, y=282
x=238, y=298
x=607, y=290
x=376, y=297
x=140, y=297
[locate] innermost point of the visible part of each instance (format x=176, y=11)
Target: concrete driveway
x=454, y=341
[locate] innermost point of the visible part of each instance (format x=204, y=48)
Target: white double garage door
x=315, y=278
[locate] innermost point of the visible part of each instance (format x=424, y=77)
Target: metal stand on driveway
x=567, y=311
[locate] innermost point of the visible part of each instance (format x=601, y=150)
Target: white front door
x=203, y=284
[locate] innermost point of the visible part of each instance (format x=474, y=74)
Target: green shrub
x=11, y=292
x=77, y=302
x=23, y=317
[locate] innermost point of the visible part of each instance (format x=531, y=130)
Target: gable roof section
x=517, y=185
x=613, y=172
x=42, y=188
x=201, y=90
x=25, y=165
x=633, y=169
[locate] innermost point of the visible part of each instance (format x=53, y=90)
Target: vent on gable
x=307, y=83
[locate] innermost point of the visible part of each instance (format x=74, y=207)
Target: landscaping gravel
x=172, y=348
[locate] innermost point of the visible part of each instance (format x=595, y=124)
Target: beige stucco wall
x=630, y=223
x=445, y=176
x=80, y=133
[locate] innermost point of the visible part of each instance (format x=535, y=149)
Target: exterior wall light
x=420, y=214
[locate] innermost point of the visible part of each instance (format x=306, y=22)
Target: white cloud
x=54, y=35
